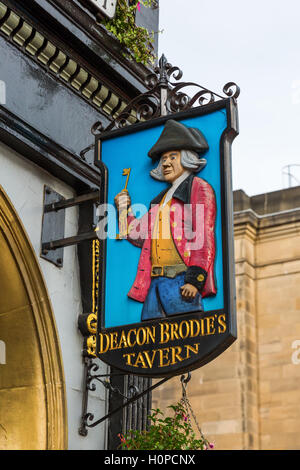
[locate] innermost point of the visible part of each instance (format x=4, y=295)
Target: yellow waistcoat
x=163, y=249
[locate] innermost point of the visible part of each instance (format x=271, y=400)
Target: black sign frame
x=114, y=357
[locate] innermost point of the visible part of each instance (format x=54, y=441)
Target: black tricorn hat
x=176, y=136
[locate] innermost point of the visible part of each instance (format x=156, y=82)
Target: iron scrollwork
x=88, y=419
x=93, y=367
x=166, y=95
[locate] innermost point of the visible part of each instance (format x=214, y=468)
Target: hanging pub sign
x=166, y=297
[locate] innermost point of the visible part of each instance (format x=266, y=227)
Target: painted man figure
x=176, y=266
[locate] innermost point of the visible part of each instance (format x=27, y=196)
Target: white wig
x=189, y=160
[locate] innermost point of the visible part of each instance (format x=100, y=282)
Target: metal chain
x=187, y=405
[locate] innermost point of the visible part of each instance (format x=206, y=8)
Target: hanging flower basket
x=168, y=433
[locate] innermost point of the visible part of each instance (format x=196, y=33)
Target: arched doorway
x=32, y=392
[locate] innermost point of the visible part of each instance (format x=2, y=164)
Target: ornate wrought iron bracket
x=87, y=420
x=164, y=97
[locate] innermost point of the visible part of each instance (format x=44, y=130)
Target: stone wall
x=248, y=398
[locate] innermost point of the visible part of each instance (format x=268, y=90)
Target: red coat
x=194, y=191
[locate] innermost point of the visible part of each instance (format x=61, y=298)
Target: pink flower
x=138, y=6
x=212, y=445
x=122, y=438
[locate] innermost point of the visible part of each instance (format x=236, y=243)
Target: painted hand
x=188, y=291
x=122, y=200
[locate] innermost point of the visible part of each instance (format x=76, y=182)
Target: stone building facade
x=248, y=398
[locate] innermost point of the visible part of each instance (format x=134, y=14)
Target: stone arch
x=32, y=389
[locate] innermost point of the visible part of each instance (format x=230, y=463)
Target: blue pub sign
x=166, y=295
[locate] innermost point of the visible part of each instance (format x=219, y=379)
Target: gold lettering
x=114, y=340
x=190, y=348
x=123, y=341
x=184, y=322
x=174, y=329
x=202, y=327
x=163, y=354
x=150, y=334
x=210, y=321
x=130, y=344
x=140, y=360
x=176, y=355
x=222, y=323
x=198, y=328
x=103, y=350
x=150, y=360
x=140, y=341
x=164, y=332
x=128, y=362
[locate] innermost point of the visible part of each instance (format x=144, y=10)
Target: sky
x=255, y=44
